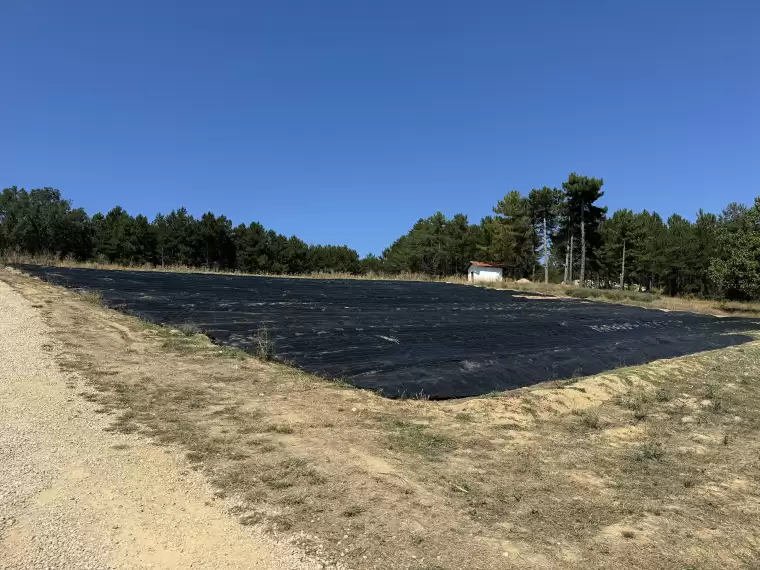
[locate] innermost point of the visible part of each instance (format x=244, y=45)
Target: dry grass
x=263, y=345
x=54, y=261
x=647, y=300
x=561, y=475
x=94, y=297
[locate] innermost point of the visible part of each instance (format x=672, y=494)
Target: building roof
x=485, y=264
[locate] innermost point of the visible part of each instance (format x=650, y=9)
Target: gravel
x=74, y=496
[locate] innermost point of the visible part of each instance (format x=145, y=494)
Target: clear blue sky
x=346, y=121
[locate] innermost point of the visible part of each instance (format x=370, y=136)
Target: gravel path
x=74, y=496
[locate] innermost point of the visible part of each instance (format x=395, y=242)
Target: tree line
x=40, y=221
x=563, y=235
x=549, y=233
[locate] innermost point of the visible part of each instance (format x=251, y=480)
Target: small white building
x=484, y=271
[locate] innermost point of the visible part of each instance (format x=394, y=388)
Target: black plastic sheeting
x=409, y=339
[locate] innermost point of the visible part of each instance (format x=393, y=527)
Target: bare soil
x=650, y=467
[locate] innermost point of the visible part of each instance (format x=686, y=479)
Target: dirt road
x=74, y=496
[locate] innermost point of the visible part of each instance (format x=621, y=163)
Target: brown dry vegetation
x=656, y=466
x=704, y=306
x=54, y=261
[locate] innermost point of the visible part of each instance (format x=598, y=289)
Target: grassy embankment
x=652, y=467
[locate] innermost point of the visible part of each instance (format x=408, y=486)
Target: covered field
x=407, y=339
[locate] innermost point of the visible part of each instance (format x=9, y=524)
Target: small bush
x=663, y=395
x=637, y=402
x=263, y=346
x=640, y=414
x=189, y=329
x=713, y=393
x=590, y=419
x=651, y=450
x=93, y=296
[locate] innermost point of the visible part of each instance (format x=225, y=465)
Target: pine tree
x=514, y=235
x=582, y=192
x=544, y=208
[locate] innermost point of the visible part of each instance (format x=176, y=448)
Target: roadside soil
x=652, y=467
x=75, y=496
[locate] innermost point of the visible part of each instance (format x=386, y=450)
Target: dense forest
x=40, y=221
x=552, y=234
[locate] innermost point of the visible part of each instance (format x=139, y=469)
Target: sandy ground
x=74, y=496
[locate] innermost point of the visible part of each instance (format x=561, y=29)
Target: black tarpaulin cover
x=408, y=338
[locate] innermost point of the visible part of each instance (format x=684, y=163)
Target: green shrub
x=650, y=450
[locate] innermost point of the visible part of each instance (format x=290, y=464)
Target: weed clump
x=636, y=401
x=353, y=511
x=590, y=419
x=263, y=345
x=92, y=296
x=640, y=414
x=663, y=395
x=650, y=451
x=712, y=393
x=189, y=329
x=280, y=428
